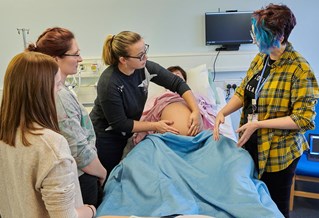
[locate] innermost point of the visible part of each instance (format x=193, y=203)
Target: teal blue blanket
x=170, y=174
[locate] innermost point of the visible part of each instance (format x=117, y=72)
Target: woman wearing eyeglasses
x=74, y=121
x=122, y=92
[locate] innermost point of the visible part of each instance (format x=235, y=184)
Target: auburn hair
x=54, y=41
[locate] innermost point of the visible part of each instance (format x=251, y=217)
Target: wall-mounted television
x=229, y=29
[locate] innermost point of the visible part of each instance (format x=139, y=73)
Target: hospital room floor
x=306, y=207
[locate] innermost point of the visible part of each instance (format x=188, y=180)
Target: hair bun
x=32, y=47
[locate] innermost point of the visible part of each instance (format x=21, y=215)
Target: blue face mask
x=266, y=49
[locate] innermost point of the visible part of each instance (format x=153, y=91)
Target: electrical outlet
x=89, y=68
x=82, y=67
x=223, y=83
x=232, y=84
x=229, y=85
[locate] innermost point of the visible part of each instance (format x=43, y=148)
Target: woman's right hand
x=86, y=211
x=163, y=126
x=220, y=118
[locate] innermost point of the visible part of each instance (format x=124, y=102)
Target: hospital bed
x=169, y=174
x=202, y=85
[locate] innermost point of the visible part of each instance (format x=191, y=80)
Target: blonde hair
x=116, y=46
x=28, y=96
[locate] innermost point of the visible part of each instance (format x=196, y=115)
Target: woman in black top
x=122, y=92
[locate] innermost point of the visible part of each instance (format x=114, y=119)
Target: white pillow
x=197, y=79
x=154, y=90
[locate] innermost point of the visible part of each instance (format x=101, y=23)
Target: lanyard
x=260, y=85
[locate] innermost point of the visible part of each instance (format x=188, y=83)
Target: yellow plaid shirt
x=290, y=90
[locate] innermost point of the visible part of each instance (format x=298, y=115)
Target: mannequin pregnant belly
x=179, y=113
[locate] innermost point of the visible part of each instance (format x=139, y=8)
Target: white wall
x=171, y=27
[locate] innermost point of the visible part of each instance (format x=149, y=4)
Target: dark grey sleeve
x=166, y=79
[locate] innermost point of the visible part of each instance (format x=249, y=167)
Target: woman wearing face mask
x=122, y=93
x=278, y=96
x=74, y=121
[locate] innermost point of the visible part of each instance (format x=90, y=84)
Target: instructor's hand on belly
x=163, y=126
x=195, y=123
x=220, y=119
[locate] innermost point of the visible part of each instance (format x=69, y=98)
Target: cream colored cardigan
x=40, y=180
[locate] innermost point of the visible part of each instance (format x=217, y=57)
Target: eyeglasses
x=72, y=55
x=142, y=56
x=253, y=36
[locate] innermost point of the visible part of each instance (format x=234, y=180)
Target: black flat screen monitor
x=229, y=29
x=314, y=144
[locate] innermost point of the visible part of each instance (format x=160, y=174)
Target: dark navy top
x=121, y=98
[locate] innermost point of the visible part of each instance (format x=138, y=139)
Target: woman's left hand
x=248, y=129
x=195, y=123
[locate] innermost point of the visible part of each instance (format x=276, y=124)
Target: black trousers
x=110, y=150
x=279, y=185
x=91, y=189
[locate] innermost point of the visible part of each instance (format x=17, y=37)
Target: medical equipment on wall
x=87, y=75
x=23, y=31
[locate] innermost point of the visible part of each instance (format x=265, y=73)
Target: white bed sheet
x=228, y=128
